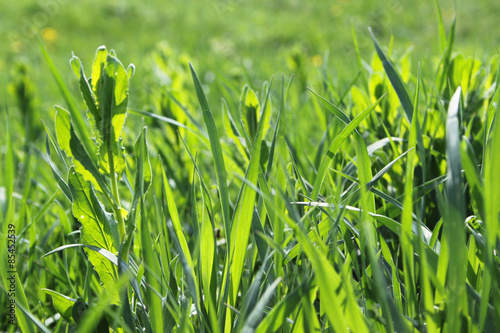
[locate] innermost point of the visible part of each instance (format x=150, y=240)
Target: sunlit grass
x=367, y=207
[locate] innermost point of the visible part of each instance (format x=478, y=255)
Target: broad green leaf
x=86, y=91
x=62, y=303
x=110, y=87
x=94, y=319
x=99, y=227
x=70, y=143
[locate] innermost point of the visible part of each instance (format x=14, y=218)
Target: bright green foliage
x=366, y=203
x=106, y=96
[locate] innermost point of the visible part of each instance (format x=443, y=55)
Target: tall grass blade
x=442, y=32
x=407, y=219
x=454, y=218
x=492, y=212
x=242, y=219
x=220, y=169
x=180, y=240
x=395, y=78
x=152, y=269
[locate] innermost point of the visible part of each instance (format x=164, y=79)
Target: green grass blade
x=258, y=312
x=492, y=211
x=335, y=146
x=179, y=238
x=407, y=219
x=395, y=78
x=62, y=184
x=8, y=169
x=152, y=268
x=442, y=32
x=242, y=220
x=144, y=175
x=394, y=319
x=277, y=317
x=332, y=108
x=167, y=120
x=220, y=169
x=454, y=228
x=476, y=185
x=53, y=141
x=252, y=294
x=442, y=74
x=205, y=192
x=207, y=263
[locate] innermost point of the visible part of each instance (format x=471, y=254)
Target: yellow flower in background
x=317, y=60
x=49, y=34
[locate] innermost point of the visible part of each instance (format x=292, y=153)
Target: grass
x=368, y=204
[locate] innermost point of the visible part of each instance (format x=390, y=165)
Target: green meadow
x=249, y=166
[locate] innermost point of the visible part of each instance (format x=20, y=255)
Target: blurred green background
x=228, y=38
